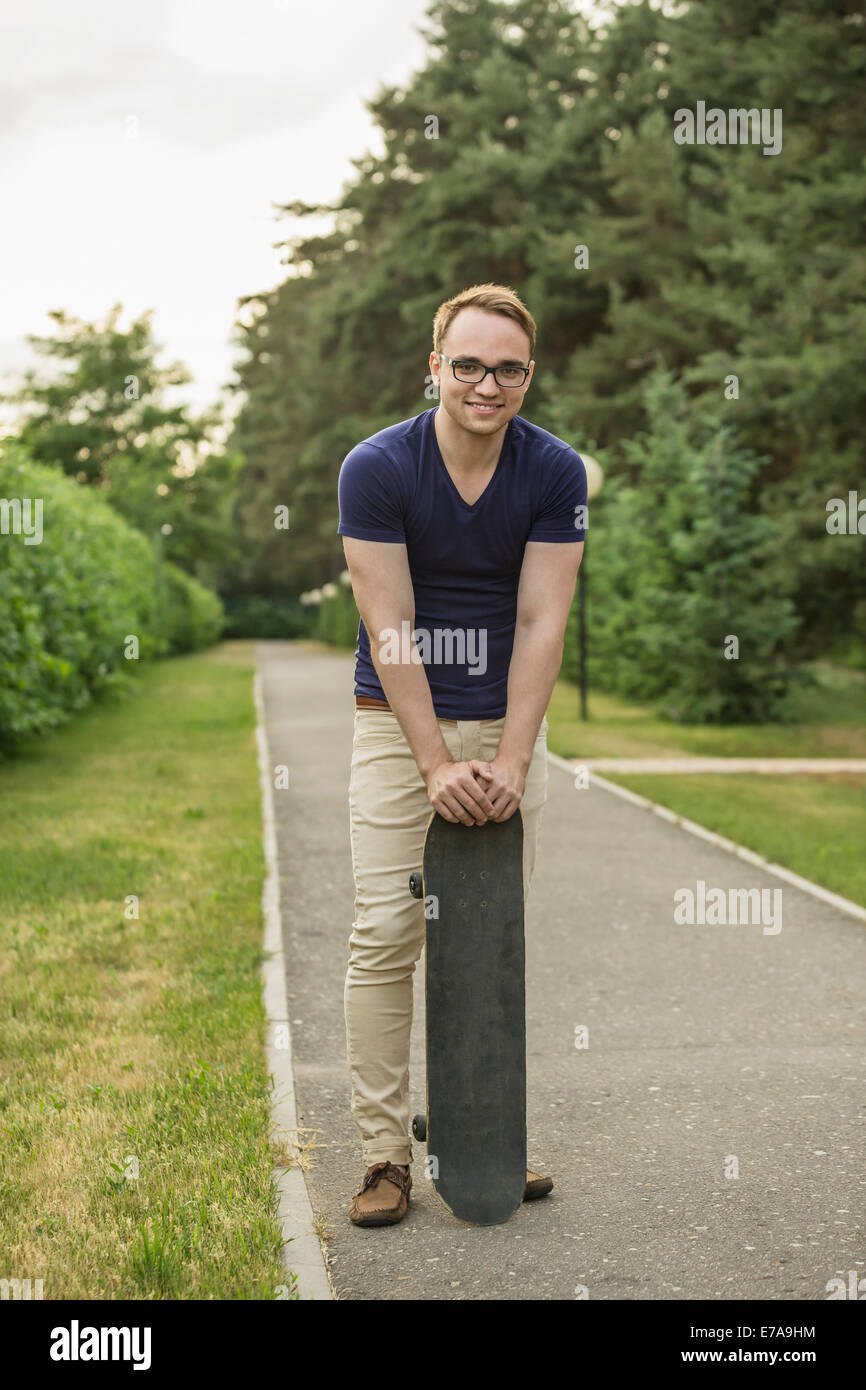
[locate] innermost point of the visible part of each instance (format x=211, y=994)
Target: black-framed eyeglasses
x=473, y=372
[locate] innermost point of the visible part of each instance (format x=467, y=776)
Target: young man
x=463, y=531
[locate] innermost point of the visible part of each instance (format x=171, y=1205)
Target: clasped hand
x=476, y=791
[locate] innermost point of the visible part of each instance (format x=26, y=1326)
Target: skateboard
x=475, y=1124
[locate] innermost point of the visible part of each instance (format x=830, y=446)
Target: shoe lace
x=379, y=1171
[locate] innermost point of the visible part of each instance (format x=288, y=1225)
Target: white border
x=304, y=1256
x=834, y=900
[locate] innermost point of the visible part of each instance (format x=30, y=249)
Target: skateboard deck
x=476, y=1017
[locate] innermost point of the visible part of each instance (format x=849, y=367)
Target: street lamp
x=164, y=530
x=594, y=480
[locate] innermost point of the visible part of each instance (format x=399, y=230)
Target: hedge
x=266, y=615
x=72, y=599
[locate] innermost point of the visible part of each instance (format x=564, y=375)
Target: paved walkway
x=712, y=1050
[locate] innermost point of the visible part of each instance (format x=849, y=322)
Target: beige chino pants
x=388, y=818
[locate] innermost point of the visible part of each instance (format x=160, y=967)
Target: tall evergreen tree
x=686, y=609
x=527, y=136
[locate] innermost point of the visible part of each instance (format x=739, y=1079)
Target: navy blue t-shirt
x=464, y=559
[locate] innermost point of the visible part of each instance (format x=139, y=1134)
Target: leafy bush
x=264, y=615
x=71, y=600
x=681, y=567
x=337, y=617
x=192, y=615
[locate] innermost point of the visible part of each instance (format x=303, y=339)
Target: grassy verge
x=812, y=825
x=134, y=1104
x=825, y=720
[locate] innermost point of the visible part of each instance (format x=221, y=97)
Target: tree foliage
x=528, y=134
x=100, y=410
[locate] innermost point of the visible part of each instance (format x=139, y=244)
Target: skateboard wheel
x=416, y=885
x=419, y=1127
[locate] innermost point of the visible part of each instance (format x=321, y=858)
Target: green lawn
x=813, y=825
x=827, y=720
x=134, y=1101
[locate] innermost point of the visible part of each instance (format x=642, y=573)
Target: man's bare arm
x=382, y=585
x=547, y=579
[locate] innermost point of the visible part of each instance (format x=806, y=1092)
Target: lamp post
x=594, y=479
x=313, y=598
x=164, y=530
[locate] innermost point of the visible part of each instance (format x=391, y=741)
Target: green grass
x=134, y=1103
x=812, y=825
x=827, y=720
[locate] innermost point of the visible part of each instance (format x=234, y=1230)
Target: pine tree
x=685, y=604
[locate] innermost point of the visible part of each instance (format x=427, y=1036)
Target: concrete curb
x=770, y=767
x=303, y=1256
x=834, y=900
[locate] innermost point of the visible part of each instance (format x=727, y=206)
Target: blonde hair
x=496, y=299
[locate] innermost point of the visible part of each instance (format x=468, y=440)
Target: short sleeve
x=370, y=495
x=562, y=515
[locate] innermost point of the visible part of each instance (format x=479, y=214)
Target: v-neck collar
x=506, y=444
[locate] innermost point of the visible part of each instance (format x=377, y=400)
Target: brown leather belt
x=370, y=702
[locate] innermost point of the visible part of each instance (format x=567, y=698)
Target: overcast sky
x=141, y=147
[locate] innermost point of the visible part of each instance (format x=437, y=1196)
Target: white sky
x=143, y=144
x=239, y=103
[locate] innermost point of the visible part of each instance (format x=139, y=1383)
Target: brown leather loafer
x=383, y=1197
x=536, y=1186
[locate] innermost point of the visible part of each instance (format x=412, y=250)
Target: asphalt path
x=707, y=1142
